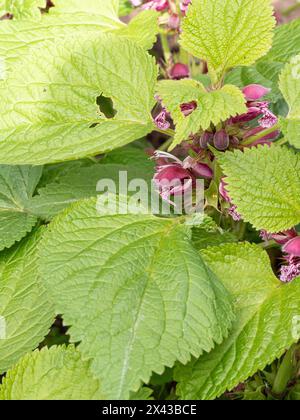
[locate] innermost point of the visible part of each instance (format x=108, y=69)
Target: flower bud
x=179, y=71
x=292, y=247
x=221, y=140
x=222, y=190
x=255, y=92
x=206, y=139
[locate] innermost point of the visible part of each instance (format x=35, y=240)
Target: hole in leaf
x=106, y=106
x=188, y=108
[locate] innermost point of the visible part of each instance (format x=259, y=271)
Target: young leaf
x=266, y=312
x=264, y=183
x=25, y=311
x=228, y=33
x=211, y=107
x=58, y=373
x=135, y=292
x=22, y=9
x=290, y=87
x=17, y=186
x=49, y=109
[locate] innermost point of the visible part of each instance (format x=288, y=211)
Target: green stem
x=285, y=372
x=281, y=142
x=164, y=147
x=166, y=47
x=168, y=132
x=259, y=136
x=268, y=244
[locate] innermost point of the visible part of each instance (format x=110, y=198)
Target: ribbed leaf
x=58, y=373
x=264, y=183
x=22, y=9
x=212, y=107
x=24, y=304
x=266, y=325
x=17, y=186
x=134, y=291
x=228, y=33
x=49, y=110
x=290, y=87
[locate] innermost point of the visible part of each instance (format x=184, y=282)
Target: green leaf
x=142, y=394
x=267, y=70
x=203, y=238
x=228, y=33
x=264, y=183
x=212, y=107
x=58, y=373
x=125, y=7
x=97, y=7
x=285, y=44
x=49, y=110
x=24, y=304
x=135, y=292
x=17, y=186
x=266, y=312
x=289, y=84
x=81, y=182
x=22, y=9
x=142, y=29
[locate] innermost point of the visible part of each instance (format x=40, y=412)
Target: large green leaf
x=290, y=87
x=58, y=373
x=135, y=292
x=49, y=110
x=267, y=312
x=264, y=183
x=17, y=186
x=22, y=9
x=212, y=107
x=98, y=7
x=228, y=33
x=81, y=182
x=266, y=71
x=24, y=304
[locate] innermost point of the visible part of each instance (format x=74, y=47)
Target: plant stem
x=169, y=132
x=259, y=136
x=281, y=142
x=164, y=147
x=285, y=372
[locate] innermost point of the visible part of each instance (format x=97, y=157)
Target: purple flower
x=206, y=139
x=255, y=92
x=264, y=140
x=136, y=3
x=184, y=4
x=161, y=120
x=174, y=21
x=291, y=271
x=188, y=108
x=222, y=190
x=292, y=247
x=232, y=211
x=158, y=5
x=179, y=71
x=268, y=120
x=198, y=169
x=172, y=178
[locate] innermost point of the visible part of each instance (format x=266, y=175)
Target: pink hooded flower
x=158, y=5
x=290, y=272
x=188, y=108
x=172, y=178
x=179, y=71
x=198, y=169
x=292, y=247
x=184, y=4
x=255, y=92
x=161, y=120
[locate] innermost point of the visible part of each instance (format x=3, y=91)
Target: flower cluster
x=168, y=6
x=290, y=242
